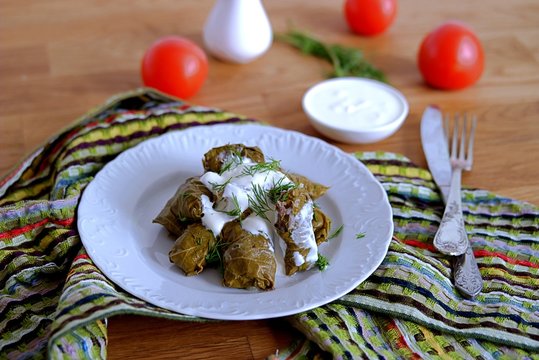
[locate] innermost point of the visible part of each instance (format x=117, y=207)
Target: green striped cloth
x=54, y=302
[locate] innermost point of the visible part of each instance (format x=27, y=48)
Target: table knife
x=466, y=275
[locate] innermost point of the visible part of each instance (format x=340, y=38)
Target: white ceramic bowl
x=355, y=110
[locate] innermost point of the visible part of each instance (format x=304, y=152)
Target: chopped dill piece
x=336, y=232
x=322, y=262
x=262, y=200
x=234, y=159
x=236, y=211
x=258, y=202
x=279, y=191
x=273, y=165
x=360, y=235
x=220, y=187
x=214, y=254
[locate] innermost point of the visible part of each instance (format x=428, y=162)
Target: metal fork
x=451, y=238
x=466, y=275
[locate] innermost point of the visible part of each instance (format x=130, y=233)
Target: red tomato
x=370, y=17
x=176, y=66
x=451, y=57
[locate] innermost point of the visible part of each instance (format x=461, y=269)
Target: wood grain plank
x=214, y=340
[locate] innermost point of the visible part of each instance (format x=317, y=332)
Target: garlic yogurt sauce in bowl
x=355, y=110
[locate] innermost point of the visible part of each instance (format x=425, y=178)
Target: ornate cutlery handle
x=451, y=237
x=466, y=275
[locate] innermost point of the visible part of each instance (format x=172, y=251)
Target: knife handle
x=466, y=275
x=451, y=237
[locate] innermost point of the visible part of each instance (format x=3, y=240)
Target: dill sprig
x=220, y=187
x=233, y=159
x=236, y=211
x=346, y=61
x=322, y=262
x=213, y=257
x=336, y=232
x=272, y=165
x=279, y=190
x=360, y=235
x=259, y=202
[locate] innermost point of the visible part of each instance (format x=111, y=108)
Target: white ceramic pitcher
x=238, y=31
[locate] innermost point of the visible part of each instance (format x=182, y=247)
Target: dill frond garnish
x=336, y=232
x=360, y=235
x=322, y=262
x=220, y=187
x=233, y=159
x=262, y=200
x=273, y=165
x=236, y=211
x=346, y=61
x=279, y=190
x=214, y=254
x=259, y=202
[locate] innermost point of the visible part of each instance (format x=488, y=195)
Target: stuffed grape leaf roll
x=184, y=207
x=218, y=158
x=314, y=189
x=295, y=212
x=248, y=258
x=321, y=225
x=191, y=249
x=170, y=221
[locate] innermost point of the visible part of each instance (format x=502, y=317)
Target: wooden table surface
x=59, y=58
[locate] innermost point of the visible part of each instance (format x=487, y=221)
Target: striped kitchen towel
x=54, y=301
x=408, y=308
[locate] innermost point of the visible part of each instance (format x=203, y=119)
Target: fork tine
x=463, y=125
x=455, y=137
x=469, y=158
x=446, y=131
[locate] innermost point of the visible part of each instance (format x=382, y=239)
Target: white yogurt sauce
x=239, y=185
x=298, y=258
x=354, y=104
x=213, y=220
x=303, y=234
x=257, y=226
x=235, y=186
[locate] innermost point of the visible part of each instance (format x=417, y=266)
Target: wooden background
x=60, y=58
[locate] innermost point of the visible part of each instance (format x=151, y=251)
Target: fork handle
x=466, y=275
x=451, y=237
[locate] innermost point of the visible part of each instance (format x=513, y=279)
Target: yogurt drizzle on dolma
x=257, y=226
x=238, y=187
x=302, y=234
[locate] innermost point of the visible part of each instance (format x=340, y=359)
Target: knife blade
x=466, y=275
x=435, y=148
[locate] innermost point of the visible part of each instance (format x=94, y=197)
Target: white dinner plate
x=117, y=208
